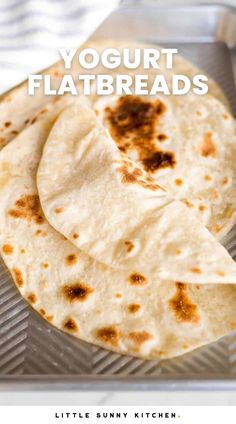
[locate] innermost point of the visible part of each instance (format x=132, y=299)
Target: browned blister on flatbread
x=133, y=124
x=184, y=309
x=109, y=335
x=70, y=325
x=207, y=146
x=77, y=292
x=28, y=207
x=18, y=276
x=7, y=249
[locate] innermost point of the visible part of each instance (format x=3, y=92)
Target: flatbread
x=17, y=108
x=113, y=309
x=123, y=218
x=187, y=144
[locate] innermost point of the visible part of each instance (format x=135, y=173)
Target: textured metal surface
x=29, y=346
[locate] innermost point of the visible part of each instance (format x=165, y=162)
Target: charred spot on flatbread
x=28, y=207
x=196, y=270
x=77, y=292
x=49, y=318
x=184, y=309
x=109, y=335
x=57, y=74
x=207, y=146
x=58, y=210
x=32, y=298
x=40, y=233
x=7, y=249
x=130, y=176
x=33, y=120
x=220, y=273
x=71, y=259
x=162, y=137
x=133, y=124
x=225, y=181
x=18, y=276
x=129, y=245
x=202, y=208
x=187, y=203
x=217, y=228
x=132, y=117
x=135, y=175
x=160, y=107
x=70, y=325
x=137, y=279
x=178, y=182
x=75, y=236
x=158, y=160
x=133, y=308
x=140, y=337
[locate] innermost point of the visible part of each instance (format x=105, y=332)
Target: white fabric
x=31, y=31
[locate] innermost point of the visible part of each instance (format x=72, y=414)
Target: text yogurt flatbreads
x=17, y=108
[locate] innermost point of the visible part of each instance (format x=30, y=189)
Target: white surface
x=123, y=414
x=21, y=64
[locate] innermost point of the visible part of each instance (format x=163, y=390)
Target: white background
x=183, y=415
x=104, y=398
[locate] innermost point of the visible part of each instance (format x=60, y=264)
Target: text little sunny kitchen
x=114, y=415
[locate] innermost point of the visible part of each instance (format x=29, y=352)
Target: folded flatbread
x=122, y=217
x=186, y=143
x=119, y=310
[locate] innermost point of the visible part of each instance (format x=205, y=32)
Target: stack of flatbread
x=110, y=211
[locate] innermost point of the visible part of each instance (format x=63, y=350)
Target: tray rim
x=196, y=4
x=109, y=383
x=83, y=382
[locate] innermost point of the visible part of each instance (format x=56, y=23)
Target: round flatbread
x=117, y=310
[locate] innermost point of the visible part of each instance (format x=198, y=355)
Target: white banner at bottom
x=117, y=414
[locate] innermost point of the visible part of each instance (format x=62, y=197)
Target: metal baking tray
x=33, y=354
